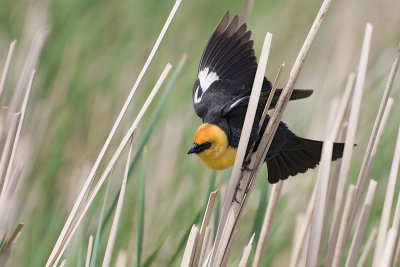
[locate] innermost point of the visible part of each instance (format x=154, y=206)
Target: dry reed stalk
x=110, y=136
x=18, y=133
x=8, y=148
x=303, y=230
x=390, y=241
x=276, y=117
x=89, y=251
x=188, y=255
x=396, y=260
x=387, y=206
x=267, y=222
x=343, y=106
x=319, y=205
x=204, y=225
x=380, y=239
x=367, y=248
x=6, y=69
x=390, y=245
x=63, y=263
x=246, y=253
x=247, y=5
x=361, y=225
x=117, y=153
x=340, y=245
x=241, y=152
x=118, y=210
x=349, y=143
x=204, y=248
x=122, y=259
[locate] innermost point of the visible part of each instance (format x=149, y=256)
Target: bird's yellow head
x=210, y=144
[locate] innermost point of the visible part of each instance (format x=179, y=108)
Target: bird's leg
x=245, y=166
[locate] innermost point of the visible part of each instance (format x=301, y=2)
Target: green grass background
x=93, y=55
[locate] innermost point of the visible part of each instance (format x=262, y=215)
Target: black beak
x=194, y=148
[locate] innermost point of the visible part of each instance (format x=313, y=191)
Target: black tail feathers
x=299, y=156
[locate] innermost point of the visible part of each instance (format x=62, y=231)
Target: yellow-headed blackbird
x=220, y=98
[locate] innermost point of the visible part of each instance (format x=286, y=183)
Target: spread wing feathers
x=242, y=101
x=304, y=154
x=229, y=53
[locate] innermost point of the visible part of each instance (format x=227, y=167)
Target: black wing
x=229, y=55
x=242, y=100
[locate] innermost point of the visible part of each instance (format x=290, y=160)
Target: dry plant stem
x=285, y=96
x=14, y=150
x=63, y=263
x=204, y=247
x=348, y=148
x=380, y=239
x=319, y=205
x=204, y=225
x=303, y=230
x=247, y=5
x=390, y=245
x=396, y=260
x=340, y=246
x=6, y=69
x=387, y=206
x=343, y=106
x=188, y=255
x=103, y=150
x=267, y=222
x=362, y=225
x=89, y=251
x=8, y=148
x=118, y=210
x=111, y=163
x=244, y=138
x=246, y=253
x=367, y=248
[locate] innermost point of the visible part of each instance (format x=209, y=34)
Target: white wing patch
x=206, y=78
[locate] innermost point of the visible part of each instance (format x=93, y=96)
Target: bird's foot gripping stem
x=236, y=191
x=245, y=166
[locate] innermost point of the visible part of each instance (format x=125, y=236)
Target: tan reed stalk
x=110, y=136
x=18, y=133
x=367, y=248
x=319, y=205
x=343, y=106
x=299, y=245
x=117, y=153
x=204, y=225
x=266, y=140
x=396, y=260
x=118, y=211
x=390, y=245
x=6, y=69
x=205, y=247
x=246, y=253
x=63, y=263
x=122, y=259
x=247, y=5
x=380, y=239
x=361, y=225
x=8, y=148
x=89, y=251
x=240, y=155
x=188, y=255
x=267, y=222
x=340, y=245
x=387, y=206
x=349, y=143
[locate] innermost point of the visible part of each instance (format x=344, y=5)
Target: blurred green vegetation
x=93, y=55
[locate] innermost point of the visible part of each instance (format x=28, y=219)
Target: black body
x=227, y=69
